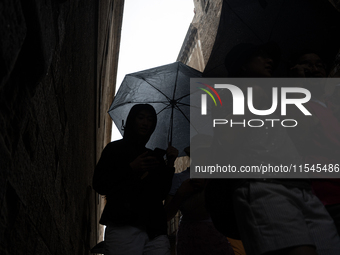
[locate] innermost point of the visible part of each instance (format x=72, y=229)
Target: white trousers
x=272, y=216
x=130, y=240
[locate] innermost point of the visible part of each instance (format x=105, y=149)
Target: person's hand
x=171, y=155
x=145, y=163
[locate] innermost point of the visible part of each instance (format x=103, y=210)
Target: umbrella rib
x=243, y=21
x=188, y=105
x=277, y=17
x=193, y=106
x=153, y=87
x=178, y=99
x=186, y=117
x=173, y=94
x=182, y=97
x=172, y=106
x=136, y=102
x=166, y=107
x=182, y=113
x=193, y=92
x=179, y=103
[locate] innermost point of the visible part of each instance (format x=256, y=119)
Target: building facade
x=200, y=38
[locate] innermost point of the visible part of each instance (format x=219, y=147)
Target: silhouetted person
x=274, y=216
x=196, y=233
x=135, y=181
x=307, y=63
x=335, y=100
x=319, y=135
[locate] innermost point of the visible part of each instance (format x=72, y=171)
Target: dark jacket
x=132, y=200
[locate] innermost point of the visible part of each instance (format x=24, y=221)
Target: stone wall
x=200, y=38
x=58, y=59
x=335, y=3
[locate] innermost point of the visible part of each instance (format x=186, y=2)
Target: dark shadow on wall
x=290, y=23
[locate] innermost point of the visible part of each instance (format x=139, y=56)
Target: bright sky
x=152, y=35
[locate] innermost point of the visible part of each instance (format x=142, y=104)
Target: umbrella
x=292, y=24
x=167, y=89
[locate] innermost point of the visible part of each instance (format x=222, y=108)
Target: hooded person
x=135, y=181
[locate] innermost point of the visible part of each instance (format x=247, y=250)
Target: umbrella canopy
x=167, y=89
x=292, y=24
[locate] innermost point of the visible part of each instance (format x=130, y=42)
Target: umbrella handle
x=170, y=137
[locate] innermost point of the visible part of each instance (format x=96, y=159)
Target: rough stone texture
x=335, y=3
x=207, y=26
x=181, y=164
x=200, y=38
x=191, y=51
x=109, y=27
x=52, y=120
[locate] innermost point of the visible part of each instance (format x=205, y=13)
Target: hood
x=129, y=128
